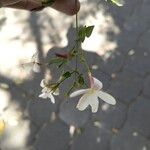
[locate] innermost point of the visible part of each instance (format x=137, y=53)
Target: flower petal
x=42, y=84
x=107, y=97
x=78, y=92
x=51, y=97
x=83, y=103
x=94, y=103
x=97, y=84
x=44, y=90
x=43, y=95
x=36, y=68
x=56, y=92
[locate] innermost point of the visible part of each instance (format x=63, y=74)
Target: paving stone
x=120, y=15
x=138, y=116
x=134, y=23
x=139, y=62
x=128, y=139
x=113, y=63
x=92, y=138
x=33, y=132
x=144, y=41
x=40, y=110
x=126, y=86
x=32, y=86
x=111, y=116
x=54, y=136
x=71, y=115
x=147, y=86
x=134, y=27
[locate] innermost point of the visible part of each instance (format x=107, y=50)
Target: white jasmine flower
x=33, y=65
x=47, y=91
x=91, y=95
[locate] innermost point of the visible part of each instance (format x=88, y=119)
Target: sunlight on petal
x=107, y=97
x=43, y=95
x=42, y=84
x=79, y=92
x=36, y=68
x=94, y=103
x=52, y=98
x=97, y=84
x=83, y=103
x=56, y=92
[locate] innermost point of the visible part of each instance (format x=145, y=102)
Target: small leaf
x=89, y=30
x=55, y=61
x=62, y=63
x=82, y=33
x=67, y=74
x=80, y=80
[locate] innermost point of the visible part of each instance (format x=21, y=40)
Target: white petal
x=79, y=92
x=44, y=90
x=97, y=84
x=107, y=97
x=42, y=84
x=94, y=103
x=43, y=95
x=36, y=68
x=52, y=98
x=83, y=103
x=56, y=92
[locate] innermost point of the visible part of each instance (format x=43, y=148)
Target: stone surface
x=113, y=63
x=111, y=117
x=53, y=136
x=126, y=86
x=92, y=138
x=138, y=116
x=40, y=110
x=128, y=139
x=138, y=63
x=71, y=115
x=147, y=86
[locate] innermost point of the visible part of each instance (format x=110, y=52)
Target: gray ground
x=125, y=74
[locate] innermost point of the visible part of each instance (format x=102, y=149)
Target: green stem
x=77, y=47
x=77, y=44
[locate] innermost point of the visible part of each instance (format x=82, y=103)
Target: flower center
x=91, y=91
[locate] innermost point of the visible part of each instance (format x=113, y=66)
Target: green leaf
x=80, y=80
x=89, y=30
x=67, y=74
x=82, y=33
x=62, y=63
x=55, y=61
